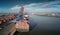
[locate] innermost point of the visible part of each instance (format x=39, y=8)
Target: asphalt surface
x=7, y=28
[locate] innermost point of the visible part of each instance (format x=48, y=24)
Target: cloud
x=15, y=8
x=39, y=7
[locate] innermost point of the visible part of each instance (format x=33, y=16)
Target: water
x=45, y=25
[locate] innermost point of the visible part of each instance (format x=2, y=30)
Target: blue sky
x=30, y=5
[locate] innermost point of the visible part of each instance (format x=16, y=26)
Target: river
x=45, y=25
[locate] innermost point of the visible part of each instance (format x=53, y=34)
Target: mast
x=21, y=11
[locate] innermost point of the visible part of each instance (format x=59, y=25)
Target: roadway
x=7, y=27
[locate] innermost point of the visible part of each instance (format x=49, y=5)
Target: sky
x=30, y=5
